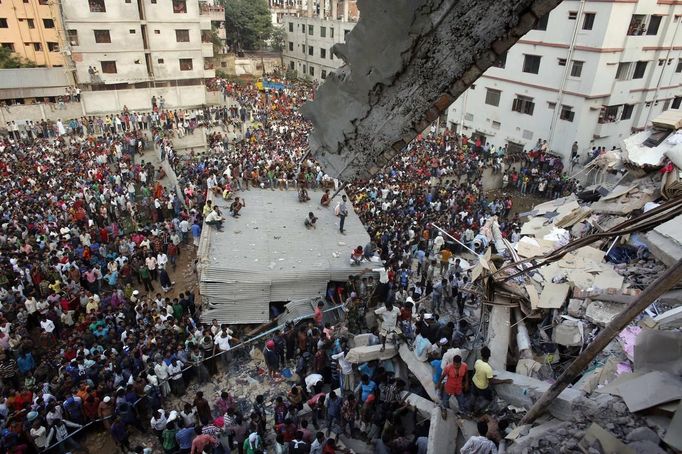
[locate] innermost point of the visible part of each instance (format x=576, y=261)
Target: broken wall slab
x=499, y=333
x=665, y=241
x=420, y=369
x=442, y=432
x=424, y=406
x=370, y=353
x=524, y=391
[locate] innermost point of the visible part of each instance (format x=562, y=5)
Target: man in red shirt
x=455, y=376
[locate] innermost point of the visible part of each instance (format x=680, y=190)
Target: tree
x=248, y=23
x=9, y=61
x=278, y=38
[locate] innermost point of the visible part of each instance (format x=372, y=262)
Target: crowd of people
x=90, y=238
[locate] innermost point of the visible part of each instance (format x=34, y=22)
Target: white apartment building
x=308, y=43
x=126, y=51
x=591, y=72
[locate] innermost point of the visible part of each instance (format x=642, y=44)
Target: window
x=102, y=36
x=304, y=69
x=666, y=105
x=186, y=64
x=566, y=113
x=3, y=23
x=31, y=23
x=654, y=23
x=9, y=46
x=182, y=36
x=496, y=124
x=303, y=48
x=160, y=61
x=311, y=50
x=331, y=54
x=179, y=6
x=53, y=47
x=577, y=68
x=97, y=6
x=48, y=23
x=501, y=61
x=108, y=67
x=572, y=15
x=291, y=46
x=676, y=102
x=311, y=29
x=303, y=28
x=627, y=111
x=132, y=31
x=551, y=105
x=37, y=47
x=331, y=32
x=623, y=71
x=323, y=32
x=588, y=21
x=73, y=37
x=492, y=97
x=291, y=65
x=291, y=27
x=562, y=62
x=157, y=32
x=345, y=32
x=312, y=71
x=637, y=25
x=542, y=23
x=678, y=68
x=323, y=52
x=640, y=69
x=323, y=75
x=531, y=64
x=523, y=104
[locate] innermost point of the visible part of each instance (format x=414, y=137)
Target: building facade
x=123, y=46
x=591, y=72
x=30, y=29
x=309, y=38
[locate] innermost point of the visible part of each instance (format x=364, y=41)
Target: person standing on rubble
x=389, y=323
x=456, y=384
x=483, y=378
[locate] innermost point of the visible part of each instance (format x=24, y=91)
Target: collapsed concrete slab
x=499, y=333
x=442, y=433
x=524, y=391
x=421, y=370
x=423, y=406
x=370, y=353
x=362, y=340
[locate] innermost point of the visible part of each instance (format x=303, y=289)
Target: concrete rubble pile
x=628, y=400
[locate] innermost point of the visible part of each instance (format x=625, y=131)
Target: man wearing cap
x=104, y=412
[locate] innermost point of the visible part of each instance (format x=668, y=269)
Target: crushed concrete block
x=576, y=307
x=442, y=432
x=645, y=447
x=363, y=340
x=527, y=440
x=642, y=434
x=421, y=370
x=601, y=313
x=607, y=443
x=524, y=391
x=371, y=352
x=568, y=333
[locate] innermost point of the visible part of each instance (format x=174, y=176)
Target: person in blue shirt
x=25, y=362
x=366, y=387
x=184, y=438
x=196, y=233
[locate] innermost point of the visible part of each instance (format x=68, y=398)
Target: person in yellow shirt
x=483, y=378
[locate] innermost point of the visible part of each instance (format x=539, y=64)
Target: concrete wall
x=37, y=112
x=140, y=99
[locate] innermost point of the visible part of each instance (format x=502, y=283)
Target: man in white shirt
x=47, y=325
x=214, y=218
x=221, y=343
x=389, y=322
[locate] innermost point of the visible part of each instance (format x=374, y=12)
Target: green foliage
x=10, y=61
x=278, y=39
x=248, y=23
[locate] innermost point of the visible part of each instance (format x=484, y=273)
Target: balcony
x=213, y=11
x=608, y=129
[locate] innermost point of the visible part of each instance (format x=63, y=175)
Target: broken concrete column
x=370, y=353
x=406, y=62
x=345, y=10
x=442, y=433
x=522, y=337
x=498, y=336
x=421, y=370
x=524, y=391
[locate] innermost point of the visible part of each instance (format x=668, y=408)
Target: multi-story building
x=30, y=29
x=162, y=46
x=590, y=71
x=309, y=39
